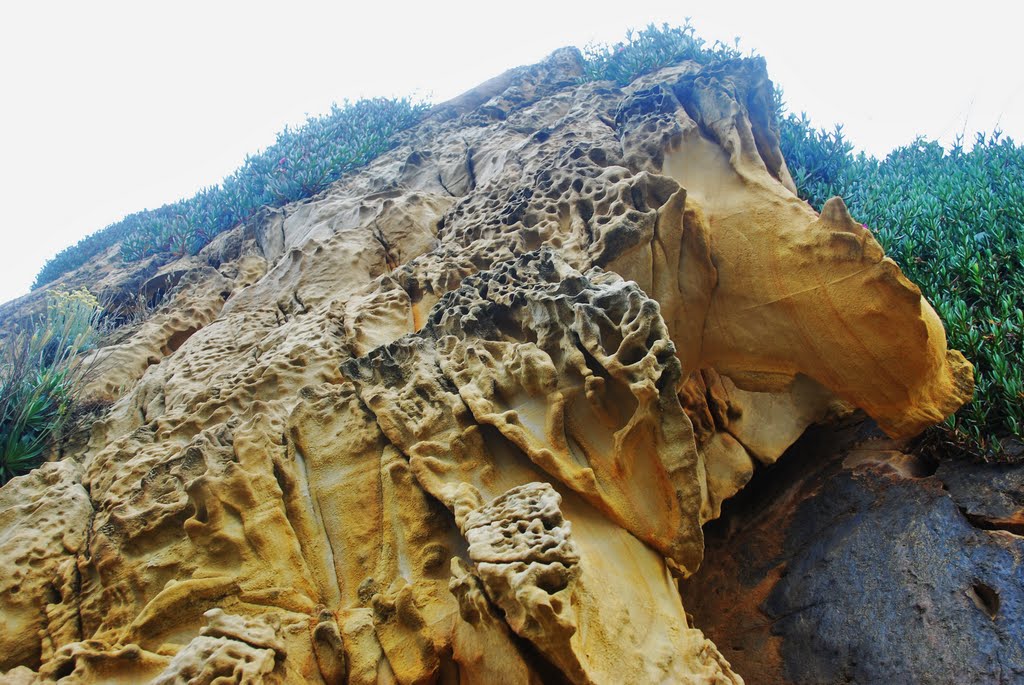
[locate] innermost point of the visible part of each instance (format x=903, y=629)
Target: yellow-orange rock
x=461, y=417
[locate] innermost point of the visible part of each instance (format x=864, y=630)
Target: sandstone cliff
x=462, y=417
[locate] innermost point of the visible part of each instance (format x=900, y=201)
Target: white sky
x=107, y=108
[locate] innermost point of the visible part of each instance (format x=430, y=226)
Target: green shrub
x=954, y=222
x=40, y=375
x=303, y=162
x=650, y=49
x=821, y=162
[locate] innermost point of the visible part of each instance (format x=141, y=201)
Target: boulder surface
x=463, y=417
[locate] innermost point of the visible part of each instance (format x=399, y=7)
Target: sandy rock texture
x=462, y=417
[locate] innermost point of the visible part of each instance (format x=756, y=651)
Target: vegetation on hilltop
x=650, y=49
x=303, y=162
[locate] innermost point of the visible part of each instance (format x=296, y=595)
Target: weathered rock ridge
x=461, y=418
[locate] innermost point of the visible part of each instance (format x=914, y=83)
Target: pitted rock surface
x=461, y=417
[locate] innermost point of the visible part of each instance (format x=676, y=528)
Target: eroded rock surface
x=462, y=417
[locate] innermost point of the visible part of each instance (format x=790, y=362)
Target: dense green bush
x=954, y=222
x=650, y=49
x=301, y=163
x=40, y=375
x=822, y=163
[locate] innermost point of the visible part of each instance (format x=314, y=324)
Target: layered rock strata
x=461, y=417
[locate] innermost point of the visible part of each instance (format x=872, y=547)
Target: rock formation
x=461, y=417
x=856, y=562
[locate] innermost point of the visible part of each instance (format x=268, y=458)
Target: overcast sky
x=111, y=107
